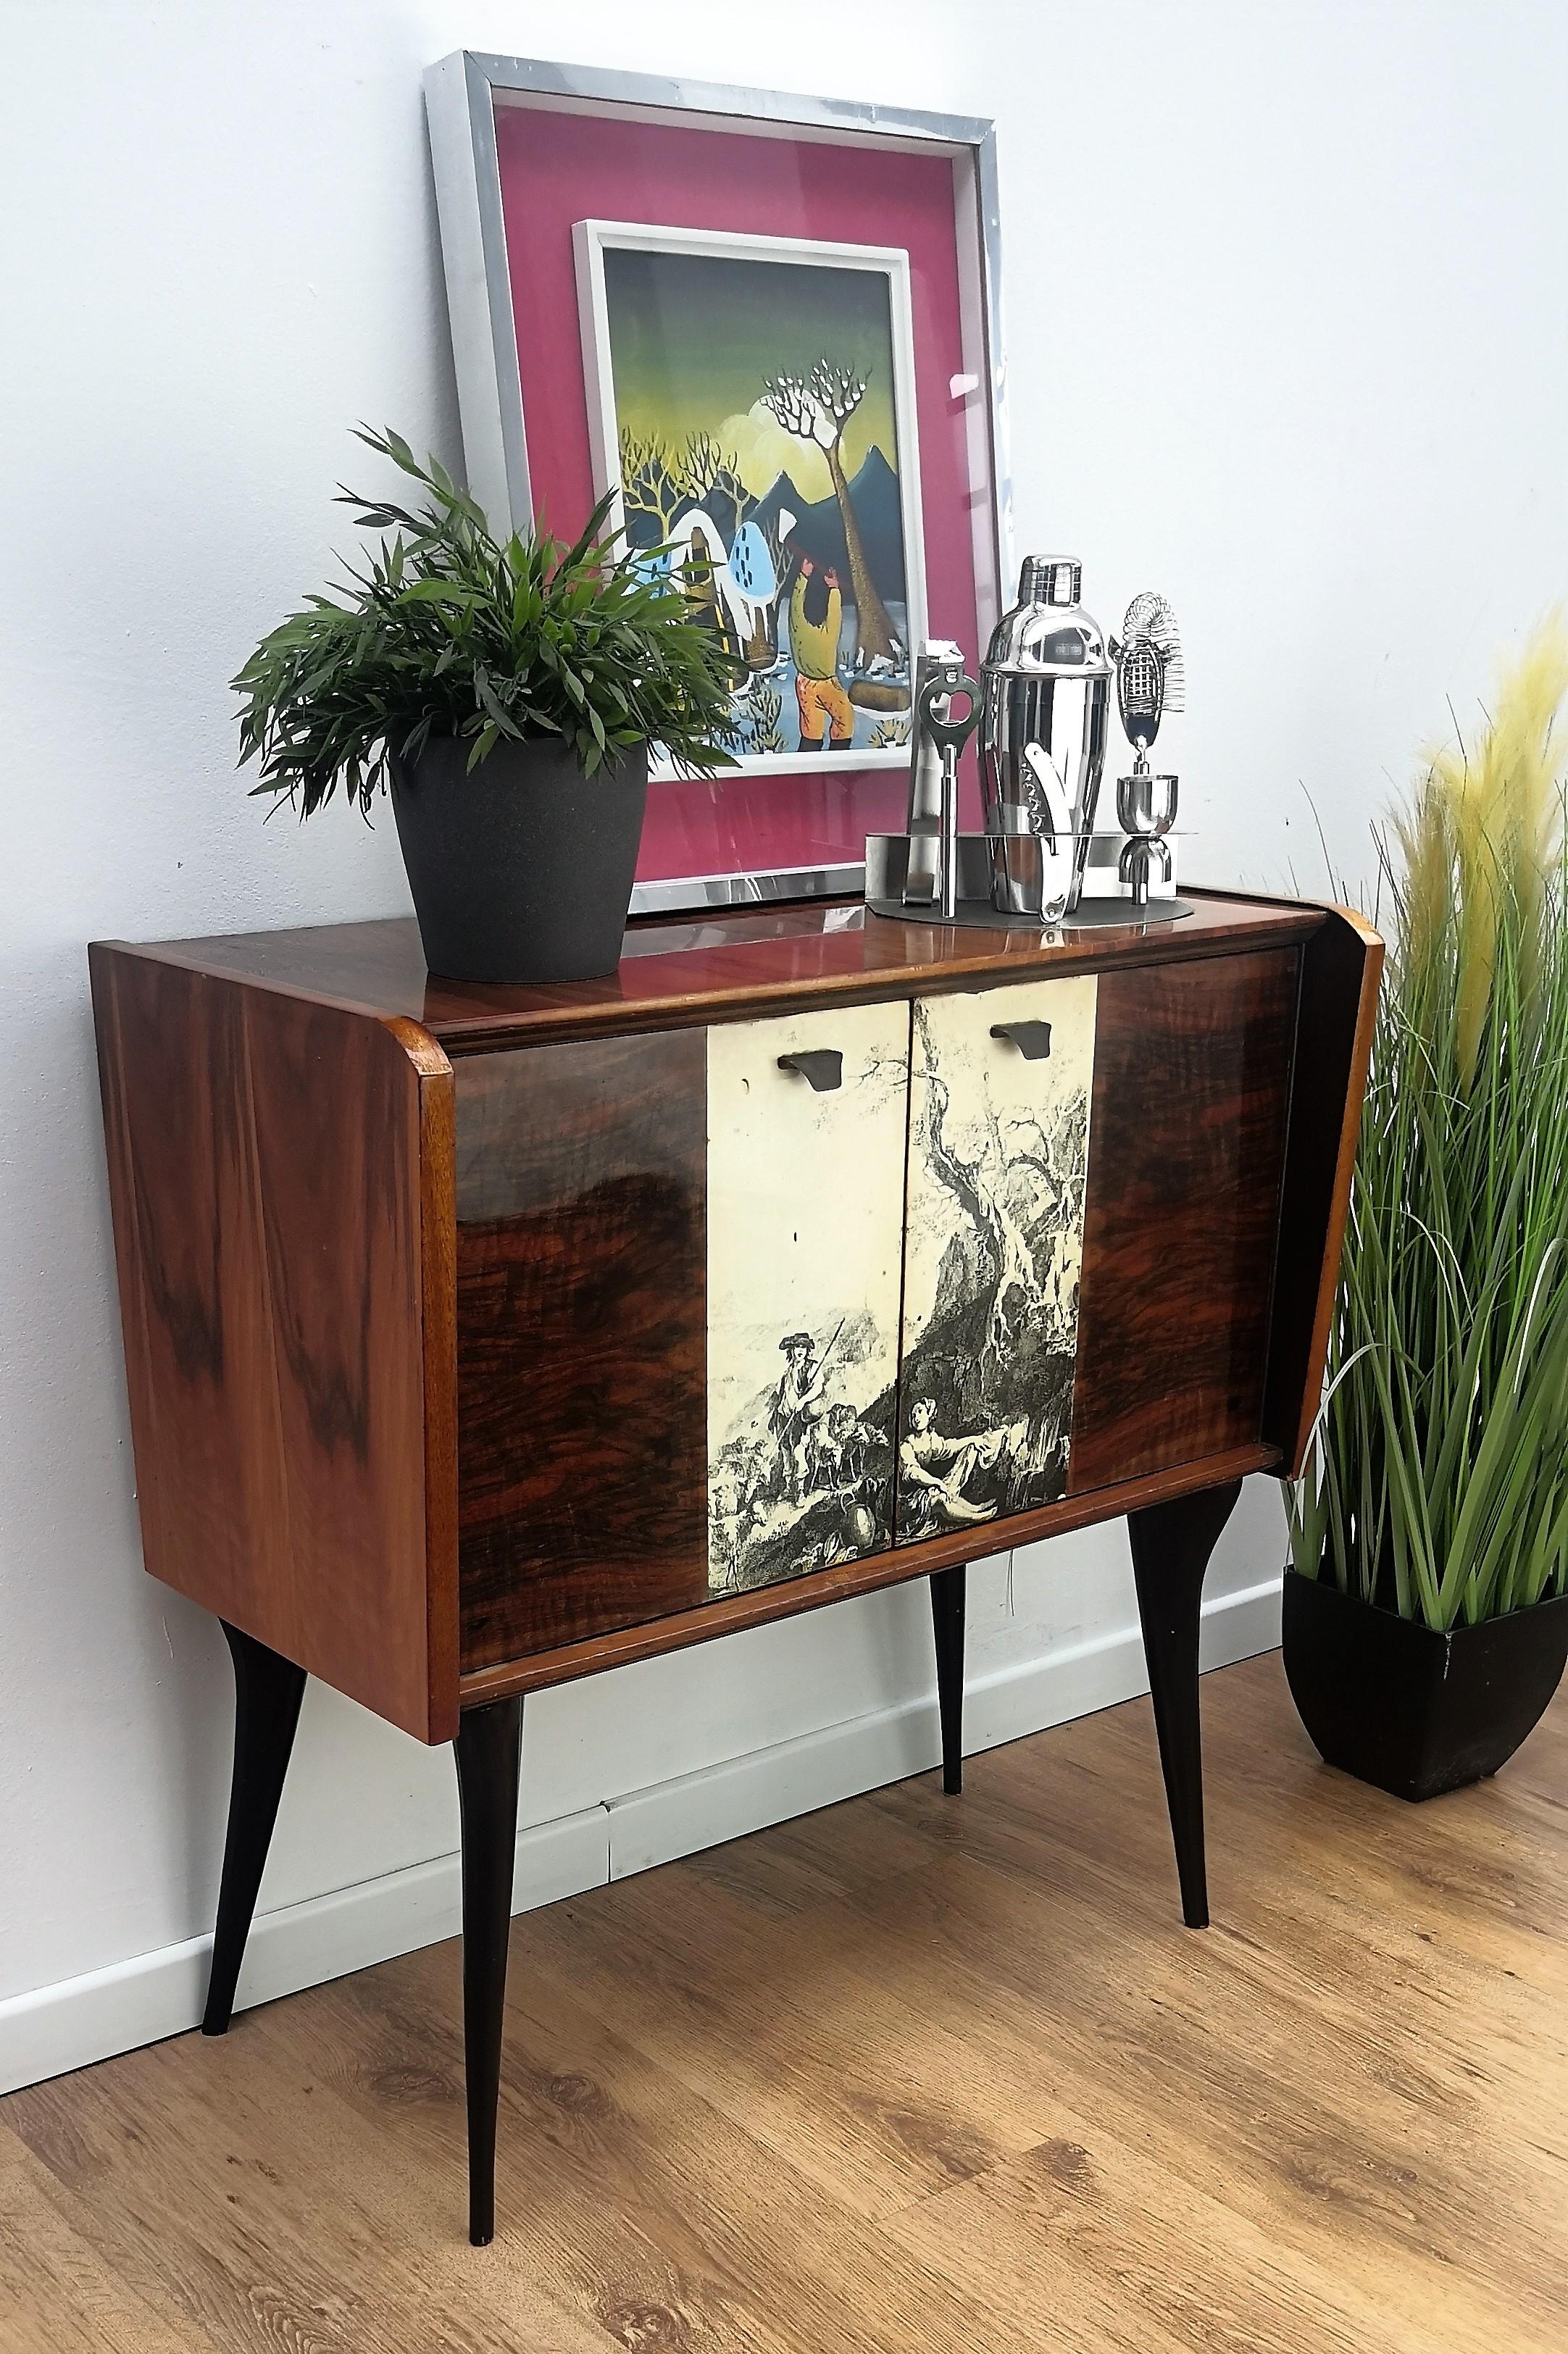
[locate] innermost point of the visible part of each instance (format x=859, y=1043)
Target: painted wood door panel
x=1193, y=1081
x=581, y=1281
x=805, y=1216
x=999, y=1146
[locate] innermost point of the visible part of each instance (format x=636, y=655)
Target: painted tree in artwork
x=817, y=406
x=706, y=468
x=1003, y=1330
x=1004, y=1277
x=650, y=485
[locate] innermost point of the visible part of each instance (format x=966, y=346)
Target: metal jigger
x=1146, y=810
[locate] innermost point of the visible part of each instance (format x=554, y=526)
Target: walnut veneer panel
x=1192, y=1066
x=279, y=1180
x=582, y=1304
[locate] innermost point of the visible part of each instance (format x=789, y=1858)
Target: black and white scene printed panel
x=998, y=1159
x=805, y=1221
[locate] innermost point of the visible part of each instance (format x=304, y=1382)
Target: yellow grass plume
x=1484, y=835
x=1426, y=834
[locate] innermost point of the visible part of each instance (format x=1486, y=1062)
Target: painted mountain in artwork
x=818, y=530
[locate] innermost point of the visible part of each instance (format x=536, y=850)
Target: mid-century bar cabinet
x=478, y=1338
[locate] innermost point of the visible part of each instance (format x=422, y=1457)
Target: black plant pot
x=1409, y=1710
x=522, y=870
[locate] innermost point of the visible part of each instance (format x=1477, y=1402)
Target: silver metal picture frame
x=463, y=94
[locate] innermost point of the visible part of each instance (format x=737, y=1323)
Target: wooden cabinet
x=477, y=1339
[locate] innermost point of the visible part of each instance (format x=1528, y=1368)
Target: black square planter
x=1408, y=1709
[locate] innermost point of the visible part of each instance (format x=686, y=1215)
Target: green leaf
x=441, y=630
x=1440, y=1476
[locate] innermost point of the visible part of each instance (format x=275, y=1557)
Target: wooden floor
x=911, y=2074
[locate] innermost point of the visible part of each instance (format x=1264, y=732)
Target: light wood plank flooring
x=915, y=2075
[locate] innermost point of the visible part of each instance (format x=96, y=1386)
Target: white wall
x=1287, y=339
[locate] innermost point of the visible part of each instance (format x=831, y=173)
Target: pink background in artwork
x=557, y=169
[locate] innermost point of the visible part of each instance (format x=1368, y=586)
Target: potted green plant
x=1425, y=1613
x=506, y=692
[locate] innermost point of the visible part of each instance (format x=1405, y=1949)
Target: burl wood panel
x=280, y=1232
x=1187, y=1138
x=582, y=1306
x=1341, y=965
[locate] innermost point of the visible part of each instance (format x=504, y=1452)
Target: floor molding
x=743, y=1793
x=77, y=2021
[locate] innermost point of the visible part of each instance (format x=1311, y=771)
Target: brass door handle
x=822, y=1066
x=1032, y=1039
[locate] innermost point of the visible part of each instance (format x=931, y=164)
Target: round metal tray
x=1090, y=915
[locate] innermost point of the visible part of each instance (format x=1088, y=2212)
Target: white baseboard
x=77, y=2021
x=55, y=2028
x=743, y=1793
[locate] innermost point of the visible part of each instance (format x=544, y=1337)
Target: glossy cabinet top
x=676, y=971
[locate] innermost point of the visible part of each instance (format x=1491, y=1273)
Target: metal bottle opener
x=934, y=717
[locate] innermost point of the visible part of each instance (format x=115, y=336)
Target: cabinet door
x=805, y=1214
x=1192, y=1073
x=1000, y=1090
x=581, y=1253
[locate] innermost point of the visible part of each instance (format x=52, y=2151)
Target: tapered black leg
x=489, y=1749
x=1171, y=1545
x=268, y=1690
x=948, y=1618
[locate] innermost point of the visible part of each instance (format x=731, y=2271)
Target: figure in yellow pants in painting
x=816, y=617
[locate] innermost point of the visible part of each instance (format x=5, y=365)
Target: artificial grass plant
x=1437, y=1483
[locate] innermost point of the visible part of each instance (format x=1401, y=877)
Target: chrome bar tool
x=932, y=875
x=1047, y=684
x=1050, y=821
x=1150, y=682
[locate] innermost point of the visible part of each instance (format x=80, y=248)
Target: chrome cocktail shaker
x=1046, y=686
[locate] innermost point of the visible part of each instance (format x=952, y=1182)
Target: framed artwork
x=771, y=324
x=751, y=403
